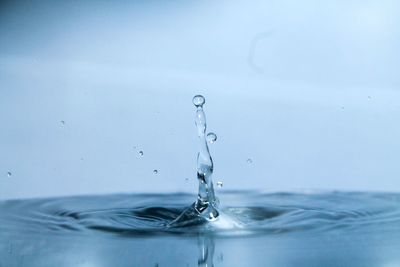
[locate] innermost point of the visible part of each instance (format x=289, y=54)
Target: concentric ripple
x=248, y=213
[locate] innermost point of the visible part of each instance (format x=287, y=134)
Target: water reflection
x=206, y=247
x=205, y=251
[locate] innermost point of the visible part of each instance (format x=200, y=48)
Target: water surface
x=257, y=229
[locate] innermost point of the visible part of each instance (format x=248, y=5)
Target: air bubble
x=9, y=174
x=249, y=161
x=198, y=100
x=211, y=137
x=62, y=123
x=155, y=171
x=220, y=184
x=141, y=153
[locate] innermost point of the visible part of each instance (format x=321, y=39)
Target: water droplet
x=211, y=137
x=141, y=153
x=220, y=184
x=249, y=161
x=198, y=100
x=62, y=123
x=9, y=174
x=155, y=171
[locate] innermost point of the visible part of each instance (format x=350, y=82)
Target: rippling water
x=254, y=229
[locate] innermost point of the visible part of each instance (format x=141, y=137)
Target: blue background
x=309, y=90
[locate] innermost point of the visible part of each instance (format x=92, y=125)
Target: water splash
x=309, y=221
x=206, y=205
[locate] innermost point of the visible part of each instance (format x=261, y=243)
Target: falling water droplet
x=141, y=153
x=249, y=161
x=9, y=174
x=155, y=171
x=220, y=184
x=211, y=138
x=198, y=100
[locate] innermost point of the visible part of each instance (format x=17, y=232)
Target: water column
x=206, y=203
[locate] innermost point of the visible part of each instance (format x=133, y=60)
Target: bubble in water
x=249, y=161
x=198, y=100
x=9, y=174
x=211, y=137
x=220, y=184
x=369, y=97
x=155, y=171
x=62, y=123
x=141, y=153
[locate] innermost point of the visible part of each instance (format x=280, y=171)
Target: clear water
x=206, y=205
x=271, y=229
x=235, y=229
